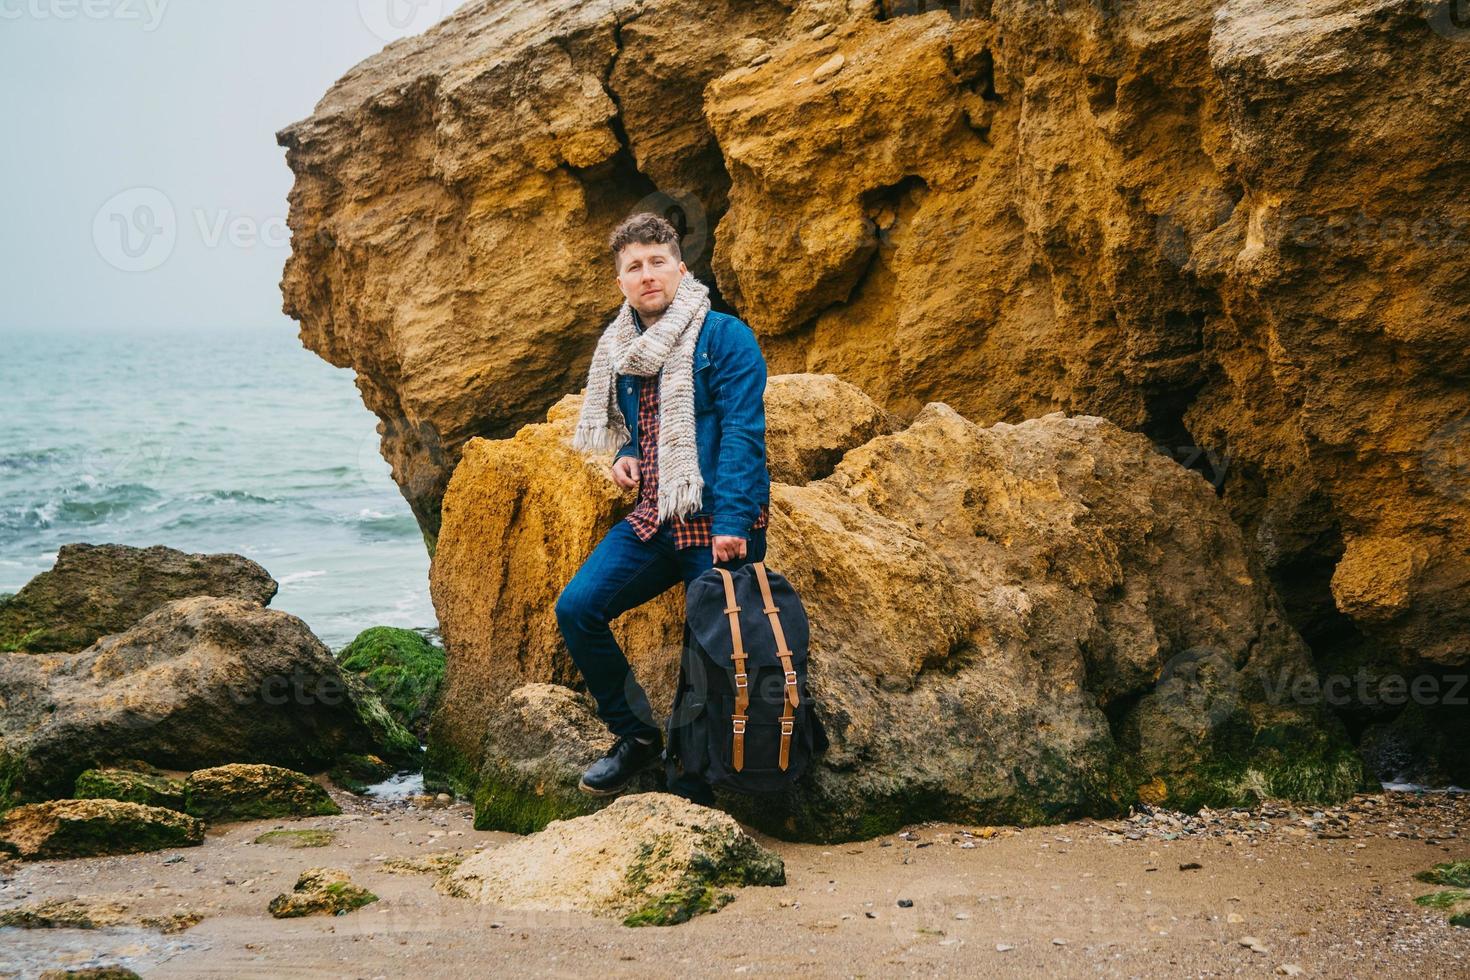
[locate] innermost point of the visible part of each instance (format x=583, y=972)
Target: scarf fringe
x=593, y=438
x=682, y=499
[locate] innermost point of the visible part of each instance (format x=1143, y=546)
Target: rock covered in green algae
x=199, y=682
x=142, y=784
x=93, y=590
x=1453, y=873
x=92, y=973
x=355, y=773
x=296, y=838
x=98, y=913
x=403, y=667
x=648, y=859
x=252, y=792
x=88, y=828
x=535, y=749
x=321, y=891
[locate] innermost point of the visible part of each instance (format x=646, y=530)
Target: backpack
x=742, y=718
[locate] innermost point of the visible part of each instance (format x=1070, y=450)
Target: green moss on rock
x=1443, y=900
x=89, y=828
x=355, y=773
x=700, y=889
x=252, y=792
x=1456, y=874
x=509, y=802
x=296, y=838
x=321, y=891
x=151, y=788
x=391, y=740
x=402, y=667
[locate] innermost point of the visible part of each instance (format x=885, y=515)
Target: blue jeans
x=623, y=572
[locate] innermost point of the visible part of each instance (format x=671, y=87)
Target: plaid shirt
x=644, y=517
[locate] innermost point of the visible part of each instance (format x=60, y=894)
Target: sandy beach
x=1331, y=895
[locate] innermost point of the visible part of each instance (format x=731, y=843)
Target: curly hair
x=645, y=228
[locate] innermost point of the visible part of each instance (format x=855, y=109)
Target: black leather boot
x=614, y=771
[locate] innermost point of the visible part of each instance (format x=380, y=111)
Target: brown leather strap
x=782, y=651
x=742, y=680
x=788, y=713
x=787, y=724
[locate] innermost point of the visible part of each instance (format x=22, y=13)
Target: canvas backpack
x=742, y=717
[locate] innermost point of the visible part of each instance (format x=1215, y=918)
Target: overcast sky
x=143, y=183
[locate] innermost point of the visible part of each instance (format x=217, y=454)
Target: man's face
x=648, y=276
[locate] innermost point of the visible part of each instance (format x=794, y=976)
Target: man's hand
x=727, y=546
x=625, y=471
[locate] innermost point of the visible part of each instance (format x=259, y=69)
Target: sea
x=208, y=440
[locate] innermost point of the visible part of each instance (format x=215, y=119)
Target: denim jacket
x=729, y=423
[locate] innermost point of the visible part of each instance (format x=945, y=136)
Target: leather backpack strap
x=742, y=680
x=788, y=710
x=782, y=650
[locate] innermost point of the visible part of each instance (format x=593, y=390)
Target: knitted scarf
x=669, y=343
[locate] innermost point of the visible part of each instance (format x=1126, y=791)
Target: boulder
x=536, y=746
x=355, y=773
x=143, y=784
x=1009, y=624
x=103, y=912
x=254, y=792
x=1210, y=222
x=402, y=667
x=88, y=828
x=649, y=859
x=198, y=682
x=93, y=590
x=321, y=891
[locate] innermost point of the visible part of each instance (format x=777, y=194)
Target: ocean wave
x=31, y=459
x=83, y=504
x=229, y=497
x=300, y=576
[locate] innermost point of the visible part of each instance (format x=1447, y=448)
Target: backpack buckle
x=791, y=678
x=786, y=725
x=741, y=680
x=739, y=723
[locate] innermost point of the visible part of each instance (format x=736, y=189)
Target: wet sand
x=1332, y=895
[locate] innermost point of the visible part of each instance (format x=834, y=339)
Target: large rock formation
x=199, y=682
x=1008, y=623
x=93, y=590
x=1238, y=227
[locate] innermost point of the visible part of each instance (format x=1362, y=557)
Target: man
x=678, y=391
